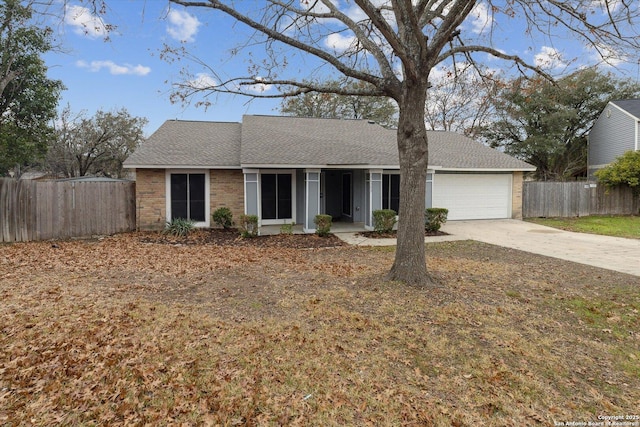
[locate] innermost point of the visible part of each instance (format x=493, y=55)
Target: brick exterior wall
x=227, y=189
x=226, y=186
x=150, y=199
x=516, y=195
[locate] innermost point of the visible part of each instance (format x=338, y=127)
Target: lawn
x=130, y=331
x=618, y=226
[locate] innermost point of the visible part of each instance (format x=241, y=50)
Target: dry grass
x=121, y=332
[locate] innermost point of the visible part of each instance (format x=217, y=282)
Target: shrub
x=323, y=225
x=179, y=227
x=624, y=170
x=223, y=217
x=384, y=220
x=248, y=225
x=434, y=218
x=286, y=229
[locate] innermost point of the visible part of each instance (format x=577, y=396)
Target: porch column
x=428, y=192
x=312, y=199
x=251, y=192
x=373, y=196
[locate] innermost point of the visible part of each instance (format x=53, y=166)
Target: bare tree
x=94, y=146
x=461, y=99
x=392, y=47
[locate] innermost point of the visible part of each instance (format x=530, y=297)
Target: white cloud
x=258, y=87
x=339, y=42
x=84, y=23
x=182, y=25
x=480, y=18
x=203, y=81
x=603, y=5
x=356, y=14
x=115, y=69
x=608, y=56
x=549, y=58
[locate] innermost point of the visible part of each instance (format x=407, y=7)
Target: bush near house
x=223, y=217
x=434, y=218
x=248, y=225
x=384, y=220
x=179, y=227
x=624, y=171
x=286, y=228
x=323, y=225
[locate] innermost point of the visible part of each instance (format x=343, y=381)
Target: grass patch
x=124, y=332
x=617, y=226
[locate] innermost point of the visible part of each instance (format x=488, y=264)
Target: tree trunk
x=410, y=264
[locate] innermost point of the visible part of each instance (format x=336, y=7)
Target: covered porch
x=295, y=196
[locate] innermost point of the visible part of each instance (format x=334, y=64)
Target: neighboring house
x=35, y=175
x=616, y=131
x=288, y=170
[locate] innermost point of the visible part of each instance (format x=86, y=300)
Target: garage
x=473, y=196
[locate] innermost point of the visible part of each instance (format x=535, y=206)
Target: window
x=391, y=192
x=276, y=196
x=188, y=196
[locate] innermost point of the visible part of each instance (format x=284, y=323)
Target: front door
x=276, y=196
x=346, y=194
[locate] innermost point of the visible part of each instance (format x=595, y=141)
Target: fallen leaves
x=123, y=331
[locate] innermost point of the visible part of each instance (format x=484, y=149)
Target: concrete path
x=613, y=253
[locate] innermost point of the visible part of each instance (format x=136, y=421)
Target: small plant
x=248, y=225
x=179, y=227
x=223, y=217
x=286, y=229
x=434, y=218
x=323, y=225
x=384, y=220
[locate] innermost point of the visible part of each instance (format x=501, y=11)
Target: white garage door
x=473, y=196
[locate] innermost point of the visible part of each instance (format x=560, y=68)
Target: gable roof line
x=624, y=110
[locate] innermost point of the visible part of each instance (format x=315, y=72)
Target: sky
x=113, y=60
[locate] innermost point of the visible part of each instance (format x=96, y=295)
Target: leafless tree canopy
x=385, y=42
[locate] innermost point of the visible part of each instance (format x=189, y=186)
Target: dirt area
x=141, y=329
x=231, y=237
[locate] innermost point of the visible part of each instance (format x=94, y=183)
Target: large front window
x=188, y=196
x=276, y=196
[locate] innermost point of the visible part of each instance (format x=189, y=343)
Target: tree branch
x=283, y=38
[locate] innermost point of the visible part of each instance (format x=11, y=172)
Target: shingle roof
x=304, y=142
x=631, y=106
x=179, y=143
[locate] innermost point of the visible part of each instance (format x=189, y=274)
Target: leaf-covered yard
x=128, y=331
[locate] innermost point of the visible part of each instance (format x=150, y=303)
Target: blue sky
x=127, y=71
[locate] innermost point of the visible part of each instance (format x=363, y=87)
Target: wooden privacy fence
x=34, y=210
x=569, y=199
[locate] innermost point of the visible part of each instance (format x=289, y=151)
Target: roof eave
x=531, y=169
x=177, y=166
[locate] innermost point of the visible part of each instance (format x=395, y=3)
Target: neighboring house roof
x=263, y=141
x=631, y=106
x=93, y=179
x=35, y=175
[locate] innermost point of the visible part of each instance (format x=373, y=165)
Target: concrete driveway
x=613, y=253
